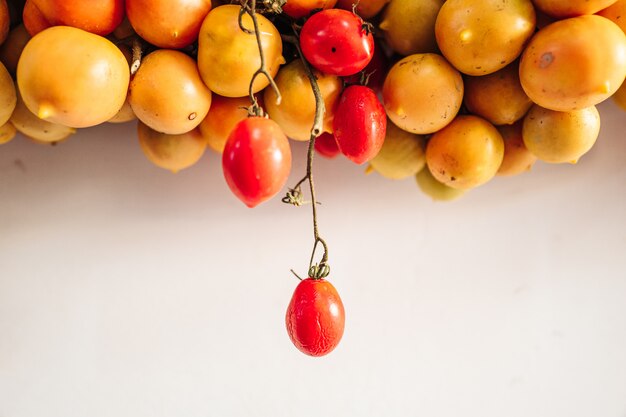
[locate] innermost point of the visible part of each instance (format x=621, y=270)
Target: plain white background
x=129, y=291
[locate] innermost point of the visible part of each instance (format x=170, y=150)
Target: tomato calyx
x=319, y=271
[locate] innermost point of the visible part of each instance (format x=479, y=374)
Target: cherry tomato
x=33, y=18
x=301, y=8
x=315, y=317
x=256, y=160
x=335, y=42
x=326, y=145
x=100, y=17
x=366, y=9
x=168, y=23
x=360, y=124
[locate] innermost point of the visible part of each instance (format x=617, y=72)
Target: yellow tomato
x=125, y=114
x=365, y=8
x=72, y=77
x=409, y=25
x=466, y=153
x=560, y=137
x=565, y=68
x=517, y=158
x=402, y=154
x=296, y=111
x=480, y=37
x=435, y=189
x=498, y=97
x=171, y=152
x=228, y=57
x=167, y=93
x=422, y=93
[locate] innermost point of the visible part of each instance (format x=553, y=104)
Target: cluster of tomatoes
x=450, y=92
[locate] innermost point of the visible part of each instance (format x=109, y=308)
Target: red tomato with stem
x=315, y=317
x=337, y=42
x=256, y=160
x=360, y=124
x=326, y=145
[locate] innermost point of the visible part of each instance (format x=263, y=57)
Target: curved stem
x=249, y=7
x=318, y=125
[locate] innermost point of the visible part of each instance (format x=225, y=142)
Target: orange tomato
x=481, y=37
x=168, y=23
x=563, y=68
x=498, y=97
x=33, y=18
x=617, y=13
x=301, y=8
x=466, y=153
x=5, y=20
x=422, y=93
x=366, y=8
x=517, y=158
x=89, y=82
x=12, y=48
x=228, y=57
x=100, y=17
x=223, y=116
x=296, y=111
x=409, y=26
x=167, y=93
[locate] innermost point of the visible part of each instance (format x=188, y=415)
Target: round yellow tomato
x=563, y=67
x=435, y=189
x=167, y=93
x=422, y=93
x=228, y=57
x=296, y=112
x=171, y=152
x=466, y=153
x=498, y=97
x=409, y=25
x=480, y=37
x=72, y=77
x=560, y=137
x=402, y=154
x=517, y=158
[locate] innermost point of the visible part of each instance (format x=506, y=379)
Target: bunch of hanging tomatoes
x=451, y=92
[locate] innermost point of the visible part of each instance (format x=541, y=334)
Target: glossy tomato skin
x=256, y=160
x=334, y=41
x=360, y=124
x=315, y=317
x=100, y=17
x=326, y=145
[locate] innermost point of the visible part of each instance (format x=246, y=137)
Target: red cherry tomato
x=326, y=145
x=335, y=41
x=360, y=124
x=256, y=160
x=315, y=317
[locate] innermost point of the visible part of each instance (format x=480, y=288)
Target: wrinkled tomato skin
x=326, y=145
x=256, y=160
x=360, y=124
x=315, y=317
x=335, y=42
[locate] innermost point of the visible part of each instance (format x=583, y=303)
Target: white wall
x=129, y=291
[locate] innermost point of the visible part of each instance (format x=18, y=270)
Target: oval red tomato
x=256, y=160
x=336, y=42
x=315, y=317
x=326, y=145
x=360, y=124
